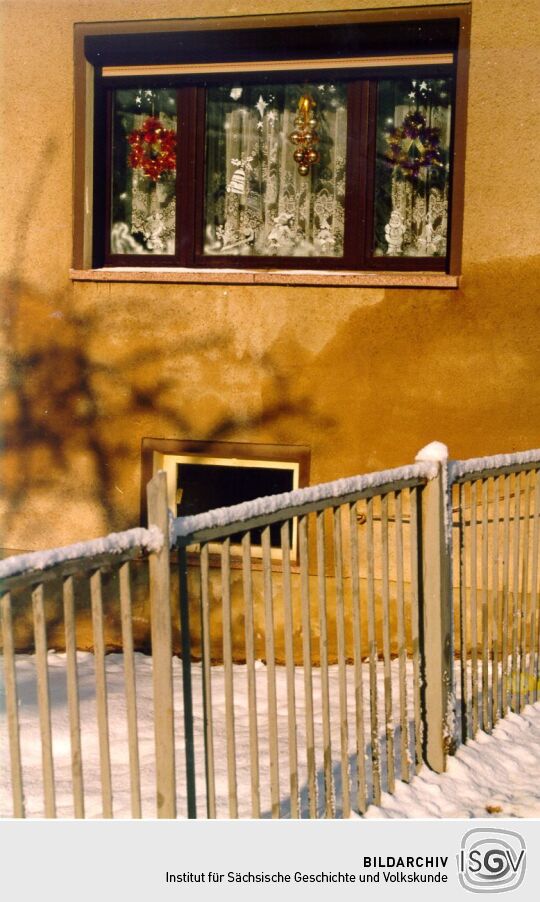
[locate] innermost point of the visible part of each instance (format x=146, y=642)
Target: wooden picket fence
x=345, y=591
x=496, y=548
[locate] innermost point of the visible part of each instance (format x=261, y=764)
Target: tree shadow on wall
x=69, y=409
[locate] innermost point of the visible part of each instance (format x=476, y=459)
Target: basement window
x=202, y=476
x=299, y=148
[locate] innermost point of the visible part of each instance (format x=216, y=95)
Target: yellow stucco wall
x=363, y=376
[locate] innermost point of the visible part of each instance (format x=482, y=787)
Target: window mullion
x=199, y=177
x=356, y=175
x=370, y=161
x=185, y=175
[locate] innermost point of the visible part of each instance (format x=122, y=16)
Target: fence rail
x=320, y=658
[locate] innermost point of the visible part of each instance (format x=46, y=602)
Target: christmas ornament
x=414, y=146
x=237, y=184
x=394, y=232
x=305, y=136
x=153, y=148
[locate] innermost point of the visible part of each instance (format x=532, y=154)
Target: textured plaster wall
x=364, y=376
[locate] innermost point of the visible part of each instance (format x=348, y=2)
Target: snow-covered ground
x=493, y=772
x=492, y=775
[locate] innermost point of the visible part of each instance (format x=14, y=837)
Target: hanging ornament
x=153, y=148
x=261, y=105
x=304, y=136
x=414, y=146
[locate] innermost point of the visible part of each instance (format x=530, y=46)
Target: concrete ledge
x=269, y=277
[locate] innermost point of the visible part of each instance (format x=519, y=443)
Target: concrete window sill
x=269, y=277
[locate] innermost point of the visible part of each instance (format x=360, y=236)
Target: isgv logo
x=491, y=861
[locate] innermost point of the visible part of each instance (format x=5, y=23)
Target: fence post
x=161, y=632
x=187, y=689
x=437, y=645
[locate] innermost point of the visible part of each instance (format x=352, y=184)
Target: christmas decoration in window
x=261, y=199
x=143, y=190
x=412, y=167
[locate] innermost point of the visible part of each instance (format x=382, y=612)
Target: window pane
x=258, y=203
x=206, y=486
x=143, y=202
x=412, y=173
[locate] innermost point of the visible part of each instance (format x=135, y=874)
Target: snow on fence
x=316, y=644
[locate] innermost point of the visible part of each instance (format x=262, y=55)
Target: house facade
x=119, y=360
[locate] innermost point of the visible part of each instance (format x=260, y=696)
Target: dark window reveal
x=202, y=487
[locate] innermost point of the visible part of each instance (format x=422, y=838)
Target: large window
x=283, y=148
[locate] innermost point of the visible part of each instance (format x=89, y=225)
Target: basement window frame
x=167, y=454
x=100, y=69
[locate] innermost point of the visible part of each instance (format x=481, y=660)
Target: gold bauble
x=303, y=169
x=298, y=155
x=313, y=156
x=296, y=137
x=312, y=122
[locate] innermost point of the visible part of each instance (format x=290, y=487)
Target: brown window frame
x=361, y=147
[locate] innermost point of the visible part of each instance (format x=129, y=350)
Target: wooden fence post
x=437, y=644
x=161, y=631
x=187, y=689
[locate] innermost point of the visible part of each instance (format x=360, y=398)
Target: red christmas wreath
x=414, y=146
x=153, y=148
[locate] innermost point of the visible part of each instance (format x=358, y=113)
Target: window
x=202, y=476
x=295, y=148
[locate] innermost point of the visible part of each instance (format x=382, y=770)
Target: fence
x=496, y=542
x=344, y=591
x=79, y=570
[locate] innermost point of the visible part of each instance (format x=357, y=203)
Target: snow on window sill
x=269, y=277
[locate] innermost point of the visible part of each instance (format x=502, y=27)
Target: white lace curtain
x=257, y=202
x=148, y=208
x=415, y=221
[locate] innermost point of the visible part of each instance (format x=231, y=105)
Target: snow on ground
x=500, y=771
x=497, y=775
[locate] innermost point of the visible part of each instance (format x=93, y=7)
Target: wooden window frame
x=153, y=450
x=92, y=177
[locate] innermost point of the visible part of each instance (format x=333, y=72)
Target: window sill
x=269, y=277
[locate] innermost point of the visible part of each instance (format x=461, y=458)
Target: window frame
x=157, y=454
x=90, y=249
